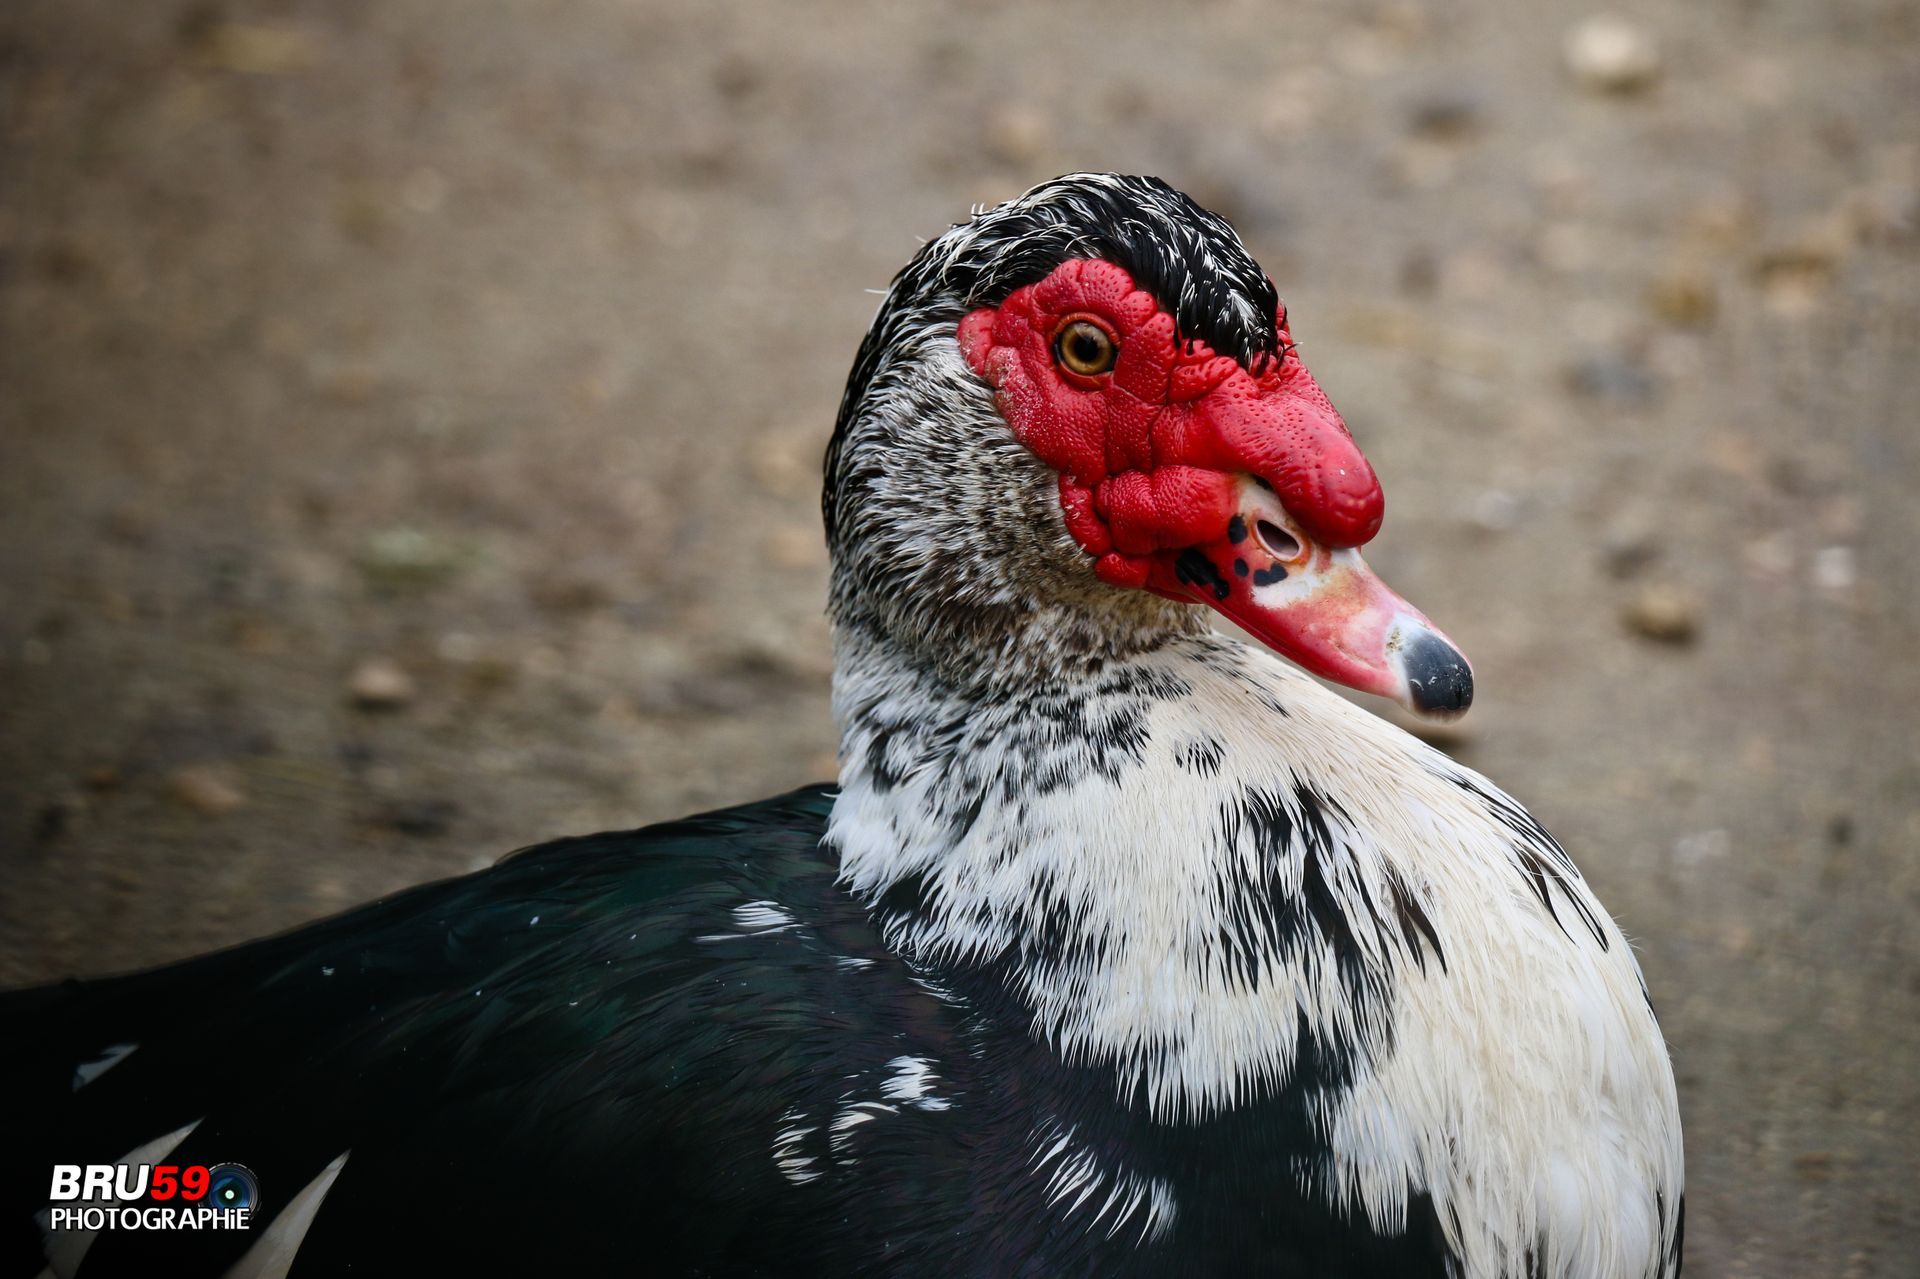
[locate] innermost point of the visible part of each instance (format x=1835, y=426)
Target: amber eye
x=1083, y=347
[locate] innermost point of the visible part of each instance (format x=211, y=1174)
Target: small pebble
x=1816, y=1164
x=1663, y=612
x=378, y=684
x=1684, y=296
x=406, y=558
x=1629, y=553
x=205, y=789
x=1611, y=54
x=1444, y=117
x=1833, y=568
x=1611, y=377
x=1795, y=277
x=1419, y=274
x=258, y=636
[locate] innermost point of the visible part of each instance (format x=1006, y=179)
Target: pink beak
x=1322, y=608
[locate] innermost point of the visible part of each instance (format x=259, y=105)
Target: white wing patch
x=908, y=1085
x=88, y=1071
x=1075, y=1178
x=849, y=1117
x=794, y=1164
x=272, y=1254
x=912, y=1083
x=762, y=917
x=756, y=919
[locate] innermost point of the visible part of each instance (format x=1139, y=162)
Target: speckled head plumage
x=1184, y=254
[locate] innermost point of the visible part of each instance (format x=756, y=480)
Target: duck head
x=1082, y=414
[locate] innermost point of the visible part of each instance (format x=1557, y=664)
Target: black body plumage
x=641, y=1051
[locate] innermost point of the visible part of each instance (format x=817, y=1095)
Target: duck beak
x=1323, y=609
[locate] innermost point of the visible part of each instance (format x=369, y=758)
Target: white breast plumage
x=1204, y=895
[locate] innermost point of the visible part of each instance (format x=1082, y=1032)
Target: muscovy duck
x=1120, y=947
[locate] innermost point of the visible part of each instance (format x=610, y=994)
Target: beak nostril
x=1279, y=543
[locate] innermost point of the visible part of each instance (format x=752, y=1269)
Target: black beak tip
x=1439, y=680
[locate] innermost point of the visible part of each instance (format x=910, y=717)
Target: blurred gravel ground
x=410, y=416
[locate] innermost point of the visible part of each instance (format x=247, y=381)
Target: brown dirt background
x=501, y=342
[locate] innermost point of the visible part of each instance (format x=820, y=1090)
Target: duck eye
x=1084, y=347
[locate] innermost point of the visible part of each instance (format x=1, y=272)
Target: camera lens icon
x=231, y=1186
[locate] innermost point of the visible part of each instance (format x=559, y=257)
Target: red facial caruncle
x=1186, y=473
